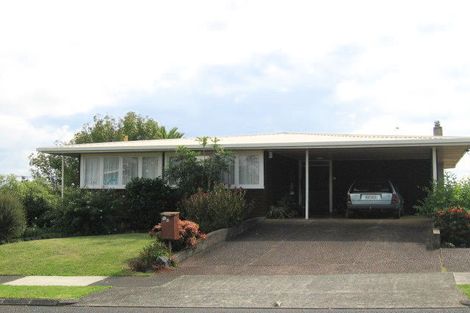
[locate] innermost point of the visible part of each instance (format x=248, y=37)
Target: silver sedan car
x=374, y=196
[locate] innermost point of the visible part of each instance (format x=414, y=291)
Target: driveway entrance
x=322, y=246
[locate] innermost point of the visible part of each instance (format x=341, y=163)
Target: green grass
x=48, y=292
x=88, y=255
x=465, y=289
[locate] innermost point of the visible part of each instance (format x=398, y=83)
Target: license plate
x=370, y=197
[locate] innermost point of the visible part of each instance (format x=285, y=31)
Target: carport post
x=307, y=163
x=434, y=164
x=62, y=181
x=330, y=187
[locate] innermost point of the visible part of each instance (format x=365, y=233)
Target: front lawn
x=48, y=292
x=88, y=255
x=465, y=289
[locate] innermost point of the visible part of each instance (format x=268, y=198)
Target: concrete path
x=55, y=281
x=462, y=278
x=430, y=290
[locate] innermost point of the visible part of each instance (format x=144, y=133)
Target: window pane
x=130, y=169
x=249, y=170
x=228, y=177
x=150, y=167
x=111, y=171
x=92, y=171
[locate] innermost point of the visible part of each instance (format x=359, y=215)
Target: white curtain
x=248, y=170
x=228, y=177
x=130, y=169
x=111, y=171
x=92, y=171
x=150, y=167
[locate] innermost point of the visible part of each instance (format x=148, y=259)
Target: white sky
x=381, y=64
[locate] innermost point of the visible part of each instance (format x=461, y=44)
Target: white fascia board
x=250, y=146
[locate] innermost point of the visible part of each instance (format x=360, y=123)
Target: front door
x=319, y=190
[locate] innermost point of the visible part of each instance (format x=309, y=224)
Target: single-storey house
x=314, y=169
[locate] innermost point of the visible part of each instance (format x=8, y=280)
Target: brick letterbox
x=170, y=225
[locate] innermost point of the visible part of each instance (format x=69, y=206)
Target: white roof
x=267, y=141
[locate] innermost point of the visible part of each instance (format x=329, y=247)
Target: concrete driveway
x=324, y=263
x=322, y=246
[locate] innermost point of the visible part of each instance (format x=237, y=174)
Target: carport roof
x=268, y=141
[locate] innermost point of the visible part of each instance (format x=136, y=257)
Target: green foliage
x=446, y=193
x=85, y=212
x=49, y=167
x=145, y=199
x=132, y=125
x=148, y=257
x=193, y=170
x=12, y=217
x=102, y=129
x=454, y=224
x=39, y=199
x=40, y=202
x=218, y=208
x=287, y=207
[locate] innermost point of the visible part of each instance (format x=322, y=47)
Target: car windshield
x=370, y=186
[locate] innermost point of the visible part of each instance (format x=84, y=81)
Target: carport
x=318, y=178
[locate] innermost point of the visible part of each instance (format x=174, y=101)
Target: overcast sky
x=232, y=67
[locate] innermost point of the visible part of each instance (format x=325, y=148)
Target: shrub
x=219, y=208
x=87, y=212
x=189, y=235
x=12, y=217
x=445, y=193
x=454, y=224
x=284, y=208
x=145, y=199
x=194, y=170
x=40, y=203
x=148, y=258
x=39, y=199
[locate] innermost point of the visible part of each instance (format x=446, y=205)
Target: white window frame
x=101, y=157
x=260, y=155
x=237, y=154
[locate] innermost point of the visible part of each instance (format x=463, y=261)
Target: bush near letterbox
x=454, y=224
x=189, y=233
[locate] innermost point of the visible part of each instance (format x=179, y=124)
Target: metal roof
x=267, y=141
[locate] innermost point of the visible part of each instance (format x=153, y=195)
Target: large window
x=247, y=170
x=116, y=171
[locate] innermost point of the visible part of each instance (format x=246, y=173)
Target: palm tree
x=162, y=133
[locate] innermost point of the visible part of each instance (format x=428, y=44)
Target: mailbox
x=170, y=225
